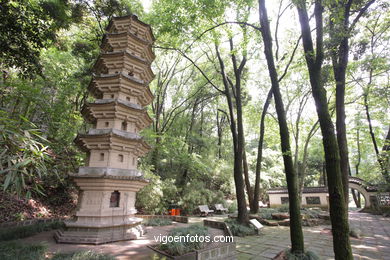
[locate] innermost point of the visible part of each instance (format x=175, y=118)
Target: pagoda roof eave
x=100, y=133
x=102, y=102
x=119, y=53
x=143, y=42
x=121, y=34
x=136, y=19
x=141, y=83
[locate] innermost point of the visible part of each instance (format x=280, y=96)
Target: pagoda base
x=74, y=234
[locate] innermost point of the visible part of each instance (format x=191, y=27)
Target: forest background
x=205, y=49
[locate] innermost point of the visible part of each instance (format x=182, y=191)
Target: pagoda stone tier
x=109, y=180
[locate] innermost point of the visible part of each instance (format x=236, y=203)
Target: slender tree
x=233, y=90
x=340, y=31
x=296, y=234
x=314, y=60
x=256, y=192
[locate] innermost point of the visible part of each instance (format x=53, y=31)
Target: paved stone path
x=123, y=250
x=374, y=244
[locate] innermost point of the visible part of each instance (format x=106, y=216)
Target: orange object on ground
x=177, y=212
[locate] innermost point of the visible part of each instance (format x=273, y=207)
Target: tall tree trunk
x=237, y=146
x=296, y=234
x=356, y=194
x=219, y=133
x=240, y=125
x=256, y=193
x=339, y=53
x=302, y=167
x=382, y=158
x=247, y=181
x=324, y=174
x=314, y=60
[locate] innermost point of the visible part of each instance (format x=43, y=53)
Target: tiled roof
x=282, y=190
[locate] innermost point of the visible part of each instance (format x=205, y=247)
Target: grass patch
x=185, y=246
x=240, y=229
x=26, y=231
x=84, y=255
x=158, y=222
x=17, y=250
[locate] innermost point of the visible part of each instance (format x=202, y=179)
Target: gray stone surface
x=103, y=171
x=114, y=131
x=373, y=244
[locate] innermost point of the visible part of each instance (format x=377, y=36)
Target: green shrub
x=158, y=222
x=26, y=231
x=157, y=195
x=15, y=250
x=84, y=255
x=184, y=247
x=310, y=213
x=25, y=158
x=18, y=250
x=308, y=255
x=232, y=207
x=240, y=229
x=283, y=208
x=196, y=193
x=266, y=213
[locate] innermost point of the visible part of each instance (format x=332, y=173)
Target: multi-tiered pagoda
x=110, y=179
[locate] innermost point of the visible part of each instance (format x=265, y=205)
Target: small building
x=311, y=197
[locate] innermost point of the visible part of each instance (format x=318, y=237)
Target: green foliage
x=18, y=250
x=232, y=207
x=12, y=250
x=25, y=157
x=240, y=229
x=310, y=213
x=157, y=195
x=26, y=231
x=195, y=194
x=266, y=213
x=283, y=208
x=83, y=255
x=185, y=246
x=158, y=222
x=25, y=28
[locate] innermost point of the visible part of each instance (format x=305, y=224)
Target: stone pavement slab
x=373, y=245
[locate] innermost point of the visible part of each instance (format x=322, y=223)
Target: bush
x=283, y=208
x=240, y=229
x=157, y=195
x=158, y=222
x=310, y=213
x=15, y=250
x=184, y=247
x=84, y=255
x=26, y=231
x=232, y=207
x=25, y=158
x=266, y=213
x=196, y=193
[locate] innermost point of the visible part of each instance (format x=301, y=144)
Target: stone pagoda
x=109, y=181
